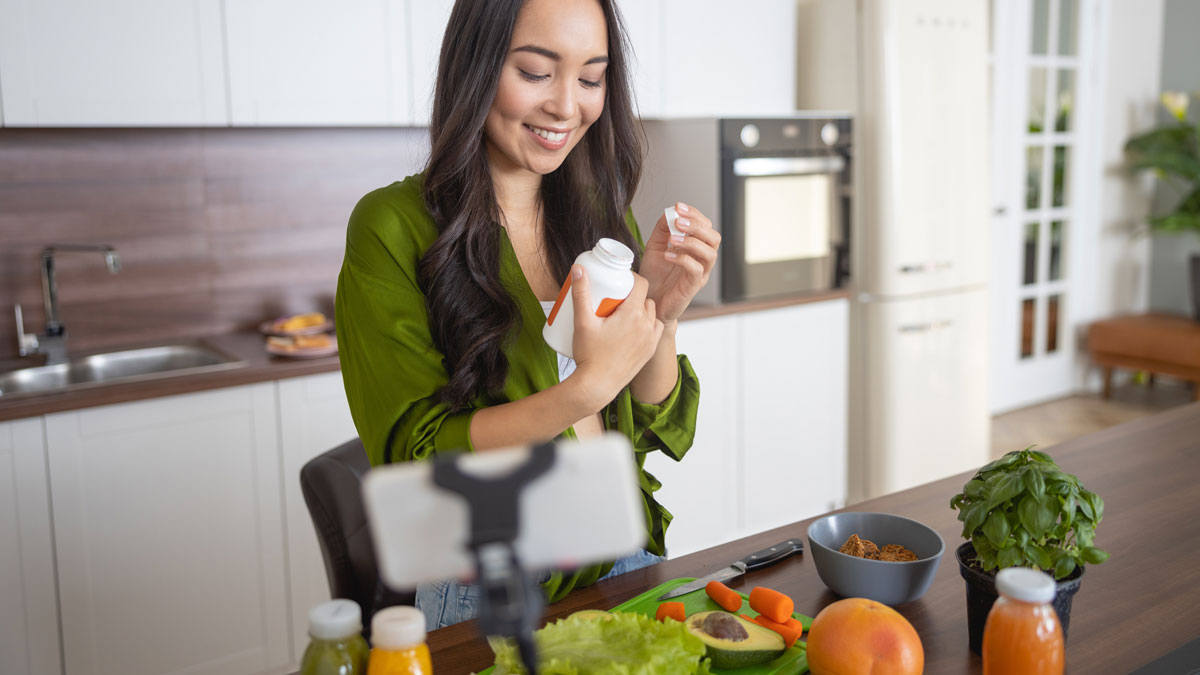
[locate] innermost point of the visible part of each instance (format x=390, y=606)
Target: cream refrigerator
x=915, y=73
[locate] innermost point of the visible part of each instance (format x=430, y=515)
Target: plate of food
x=302, y=346
x=309, y=323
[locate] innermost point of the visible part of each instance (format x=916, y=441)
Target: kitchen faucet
x=53, y=343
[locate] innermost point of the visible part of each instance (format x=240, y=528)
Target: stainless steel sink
x=113, y=367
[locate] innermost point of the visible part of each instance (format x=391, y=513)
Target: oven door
x=782, y=221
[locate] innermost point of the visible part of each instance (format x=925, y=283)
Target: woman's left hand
x=678, y=266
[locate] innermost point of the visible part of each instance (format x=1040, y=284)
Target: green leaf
x=1040, y=557
x=1097, y=506
x=1021, y=536
x=1068, y=509
x=1037, y=515
x=1064, y=566
x=1176, y=222
x=1092, y=555
x=974, y=517
x=1169, y=161
x=996, y=529
x=1034, y=482
x=1084, y=534
x=1085, y=507
x=1008, y=557
x=1041, y=456
x=974, y=489
x=1005, y=488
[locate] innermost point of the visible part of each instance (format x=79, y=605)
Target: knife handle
x=770, y=556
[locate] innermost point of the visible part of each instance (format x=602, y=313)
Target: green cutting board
x=793, y=662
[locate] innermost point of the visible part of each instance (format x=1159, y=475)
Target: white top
x=1025, y=584
x=334, y=620
x=566, y=366
x=398, y=628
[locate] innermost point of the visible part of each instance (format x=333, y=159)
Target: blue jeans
x=448, y=602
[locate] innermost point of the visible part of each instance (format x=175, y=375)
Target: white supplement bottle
x=608, y=266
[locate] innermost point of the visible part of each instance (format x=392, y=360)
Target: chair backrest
x=332, y=487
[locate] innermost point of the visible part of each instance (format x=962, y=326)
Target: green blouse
x=392, y=370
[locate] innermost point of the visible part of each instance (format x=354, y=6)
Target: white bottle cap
x=672, y=216
x=398, y=628
x=334, y=620
x=1025, y=584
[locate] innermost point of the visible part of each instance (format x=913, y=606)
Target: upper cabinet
x=117, y=63
x=371, y=62
x=314, y=62
x=726, y=59
x=427, y=23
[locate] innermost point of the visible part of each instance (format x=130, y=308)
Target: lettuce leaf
x=628, y=644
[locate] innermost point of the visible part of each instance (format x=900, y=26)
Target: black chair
x=332, y=487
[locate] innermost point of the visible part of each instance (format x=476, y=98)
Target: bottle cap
x=398, y=628
x=614, y=252
x=672, y=215
x=1025, y=584
x=334, y=620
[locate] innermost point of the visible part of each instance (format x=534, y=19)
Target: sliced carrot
x=729, y=599
x=671, y=610
x=775, y=605
x=789, y=634
x=746, y=617
x=795, y=623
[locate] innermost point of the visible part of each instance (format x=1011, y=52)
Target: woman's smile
x=550, y=139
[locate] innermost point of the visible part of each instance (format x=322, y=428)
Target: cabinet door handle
x=926, y=327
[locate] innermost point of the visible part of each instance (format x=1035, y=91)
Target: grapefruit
x=857, y=635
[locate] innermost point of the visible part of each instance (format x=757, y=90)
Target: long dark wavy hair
x=471, y=314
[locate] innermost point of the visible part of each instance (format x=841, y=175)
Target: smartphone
x=585, y=508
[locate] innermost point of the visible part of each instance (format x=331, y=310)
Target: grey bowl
x=892, y=583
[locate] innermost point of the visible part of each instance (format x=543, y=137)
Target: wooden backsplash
x=217, y=229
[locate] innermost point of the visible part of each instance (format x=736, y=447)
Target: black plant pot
x=1195, y=269
x=981, y=593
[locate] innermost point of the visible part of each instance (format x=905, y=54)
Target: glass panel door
x=1038, y=110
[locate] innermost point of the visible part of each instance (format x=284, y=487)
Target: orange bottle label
x=607, y=305
x=412, y=661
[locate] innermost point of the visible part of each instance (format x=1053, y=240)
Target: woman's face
x=551, y=86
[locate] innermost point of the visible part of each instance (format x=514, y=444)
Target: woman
x=449, y=274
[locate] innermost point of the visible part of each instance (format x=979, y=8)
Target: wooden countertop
x=259, y=366
x=1140, y=604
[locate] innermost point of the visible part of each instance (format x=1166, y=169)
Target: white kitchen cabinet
x=169, y=534
x=313, y=417
x=117, y=63
x=644, y=28
x=29, y=641
x=427, y=25
x=794, y=368
x=697, y=491
x=313, y=62
x=728, y=59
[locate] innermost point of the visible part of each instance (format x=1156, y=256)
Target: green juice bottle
x=337, y=646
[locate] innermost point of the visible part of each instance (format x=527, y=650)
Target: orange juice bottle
x=398, y=636
x=1022, y=634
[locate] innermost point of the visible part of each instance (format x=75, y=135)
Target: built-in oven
x=778, y=189
x=786, y=200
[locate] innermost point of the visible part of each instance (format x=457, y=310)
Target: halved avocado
x=733, y=642
x=591, y=614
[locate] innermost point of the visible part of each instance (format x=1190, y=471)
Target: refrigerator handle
x=926, y=327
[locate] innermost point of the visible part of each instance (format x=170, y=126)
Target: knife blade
x=752, y=562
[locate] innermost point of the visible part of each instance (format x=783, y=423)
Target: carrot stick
x=775, y=605
x=789, y=634
x=729, y=599
x=671, y=610
x=795, y=623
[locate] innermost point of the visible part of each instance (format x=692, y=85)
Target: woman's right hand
x=610, y=351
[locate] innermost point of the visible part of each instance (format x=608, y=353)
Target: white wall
x=1180, y=72
x=1117, y=250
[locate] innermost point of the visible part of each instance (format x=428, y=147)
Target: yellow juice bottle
x=398, y=643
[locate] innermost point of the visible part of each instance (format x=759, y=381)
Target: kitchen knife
x=754, y=561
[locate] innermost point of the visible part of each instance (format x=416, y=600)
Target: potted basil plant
x=1023, y=510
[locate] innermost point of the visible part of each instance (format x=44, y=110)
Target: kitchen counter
x=1142, y=603
x=263, y=367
